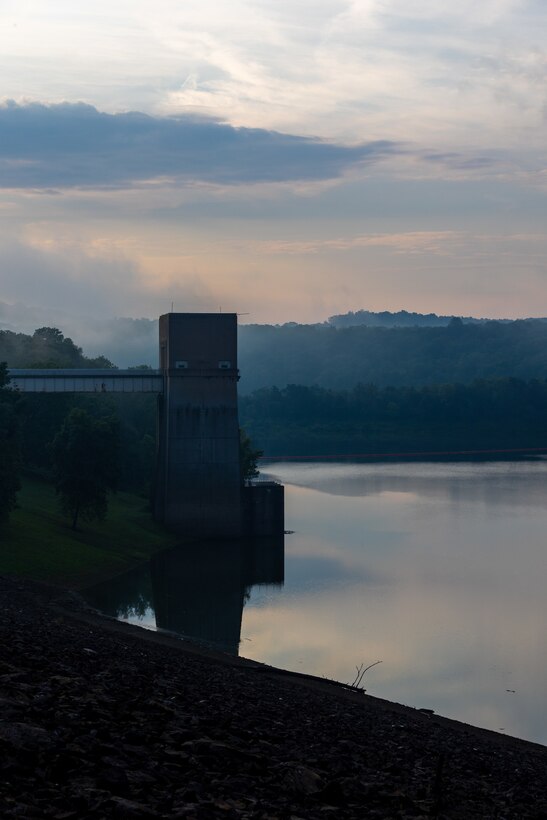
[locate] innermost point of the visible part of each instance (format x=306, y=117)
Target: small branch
x=360, y=674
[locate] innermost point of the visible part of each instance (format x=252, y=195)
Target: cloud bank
x=430, y=166
x=74, y=145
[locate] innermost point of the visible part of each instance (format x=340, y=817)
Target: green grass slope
x=38, y=543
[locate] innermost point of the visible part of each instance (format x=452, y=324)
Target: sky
x=287, y=161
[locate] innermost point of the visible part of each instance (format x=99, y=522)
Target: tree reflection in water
x=197, y=590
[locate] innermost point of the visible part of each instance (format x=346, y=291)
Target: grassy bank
x=38, y=542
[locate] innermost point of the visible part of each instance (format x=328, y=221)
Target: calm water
x=438, y=570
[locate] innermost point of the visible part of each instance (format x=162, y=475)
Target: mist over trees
x=384, y=348
x=339, y=358
x=46, y=348
x=307, y=354
x=124, y=341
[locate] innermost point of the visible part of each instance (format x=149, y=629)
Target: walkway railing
x=86, y=381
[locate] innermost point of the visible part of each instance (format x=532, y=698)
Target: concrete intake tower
x=198, y=481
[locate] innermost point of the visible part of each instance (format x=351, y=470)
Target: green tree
x=9, y=447
x=248, y=457
x=85, y=454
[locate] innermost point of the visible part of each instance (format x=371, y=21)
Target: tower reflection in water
x=197, y=590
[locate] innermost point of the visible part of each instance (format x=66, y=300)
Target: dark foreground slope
x=102, y=720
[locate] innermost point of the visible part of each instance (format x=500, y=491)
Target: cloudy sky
x=284, y=160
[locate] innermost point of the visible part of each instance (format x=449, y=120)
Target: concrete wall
x=263, y=509
x=198, y=488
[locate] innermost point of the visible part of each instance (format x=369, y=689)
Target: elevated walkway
x=86, y=381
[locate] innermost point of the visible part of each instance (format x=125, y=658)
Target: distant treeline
x=486, y=414
x=399, y=318
x=341, y=357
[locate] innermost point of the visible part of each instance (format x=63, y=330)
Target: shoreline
x=174, y=642
x=143, y=724
x=83, y=613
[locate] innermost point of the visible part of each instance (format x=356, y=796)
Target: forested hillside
x=396, y=349
x=342, y=357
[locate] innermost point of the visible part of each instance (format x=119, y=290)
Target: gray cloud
x=74, y=145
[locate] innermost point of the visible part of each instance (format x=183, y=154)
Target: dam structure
x=198, y=489
x=198, y=480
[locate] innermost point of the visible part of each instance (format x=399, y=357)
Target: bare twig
x=360, y=674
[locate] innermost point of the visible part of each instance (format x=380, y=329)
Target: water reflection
x=501, y=483
x=197, y=590
x=438, y=570
x=128, y=597
x=200, y=589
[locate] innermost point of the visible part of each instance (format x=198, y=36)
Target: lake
x=438, y=570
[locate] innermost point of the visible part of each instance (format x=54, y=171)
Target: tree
x=85, y=454
x=248, y=457
x=9, y=447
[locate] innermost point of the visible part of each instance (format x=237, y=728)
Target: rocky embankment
x=102, y=720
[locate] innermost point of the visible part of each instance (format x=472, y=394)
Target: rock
x=301, y=780
x=24, y=736
x=129, y=808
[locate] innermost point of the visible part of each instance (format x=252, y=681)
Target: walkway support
x=198, y=481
